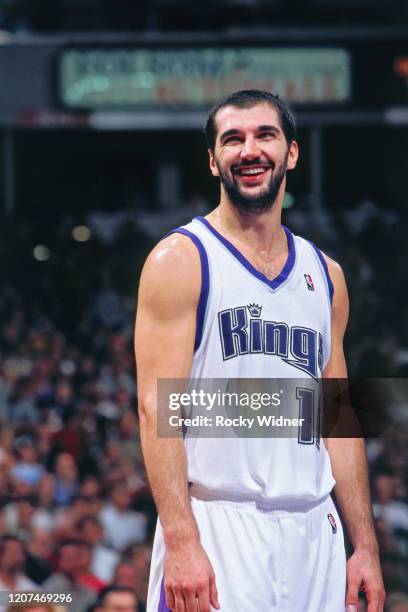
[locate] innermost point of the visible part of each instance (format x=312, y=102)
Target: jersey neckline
x=275, y=282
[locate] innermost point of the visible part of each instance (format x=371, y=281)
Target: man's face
x=251, y=156
x=126, y=576
x=13, y=557
x=121, y=497
x=65, y=468
x=92, y=532
x=41, y=543
x=384, y=488
x=120, y=602
x=68, y=559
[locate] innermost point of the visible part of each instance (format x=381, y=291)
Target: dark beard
x=258, y=204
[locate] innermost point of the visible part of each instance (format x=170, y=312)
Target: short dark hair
x=113, y=589
x=70, y=542
x=247, y=98
x=89, y=518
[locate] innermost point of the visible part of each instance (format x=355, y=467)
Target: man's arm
x=349, y=465
x=164, y=343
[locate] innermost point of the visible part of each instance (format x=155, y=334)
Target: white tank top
x=252, y=327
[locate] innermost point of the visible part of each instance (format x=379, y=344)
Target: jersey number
x=309, y=427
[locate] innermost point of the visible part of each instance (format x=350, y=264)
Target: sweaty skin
x=168, y=297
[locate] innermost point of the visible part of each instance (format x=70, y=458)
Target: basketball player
x=248, y=524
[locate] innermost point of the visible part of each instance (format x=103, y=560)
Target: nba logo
x=309, y=282
x=332, y=522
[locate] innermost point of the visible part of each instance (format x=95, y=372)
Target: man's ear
x=213, y=165
x=293, y=155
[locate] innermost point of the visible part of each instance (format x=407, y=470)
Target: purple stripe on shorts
x=162, y=603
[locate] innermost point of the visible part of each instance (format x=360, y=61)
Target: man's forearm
x=166, y=466
x=349, y=465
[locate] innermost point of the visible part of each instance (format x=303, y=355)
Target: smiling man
x=248, y=523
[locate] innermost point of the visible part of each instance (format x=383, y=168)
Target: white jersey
x=249, y=327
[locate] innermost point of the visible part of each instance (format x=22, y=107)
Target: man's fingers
x=375, y=599
x=190, y=597
x=170, y=603
x=353, y=587
x=214, y=593
x=178, y=598
x=203, y=595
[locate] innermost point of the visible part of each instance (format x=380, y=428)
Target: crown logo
x=254, y=310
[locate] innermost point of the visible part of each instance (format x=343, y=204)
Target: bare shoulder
x=340, y=297
x=335, y=270
x=171, y=274
x=337, y=275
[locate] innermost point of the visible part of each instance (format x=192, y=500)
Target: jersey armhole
x=330, y=286
x=205, y=283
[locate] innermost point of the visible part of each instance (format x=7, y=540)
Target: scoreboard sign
x=195, y=78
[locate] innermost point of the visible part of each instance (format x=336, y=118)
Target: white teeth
x=252, y=170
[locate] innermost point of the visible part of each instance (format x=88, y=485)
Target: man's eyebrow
x=227, y=133
x=268, y=128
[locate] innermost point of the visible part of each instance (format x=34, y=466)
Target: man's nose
x=250, y=150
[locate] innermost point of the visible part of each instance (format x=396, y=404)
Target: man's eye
x=232, y=140
x=266, y=135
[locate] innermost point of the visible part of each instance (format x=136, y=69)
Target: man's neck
x=263, y=232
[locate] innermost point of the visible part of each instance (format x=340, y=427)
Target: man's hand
x=364, y=574
x=188, y=577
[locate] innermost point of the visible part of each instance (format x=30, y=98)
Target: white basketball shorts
x=265, y=560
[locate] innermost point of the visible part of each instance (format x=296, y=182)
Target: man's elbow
x=147, y=408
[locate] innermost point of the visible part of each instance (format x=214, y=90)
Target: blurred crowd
x=75, y=511
x=76, y=514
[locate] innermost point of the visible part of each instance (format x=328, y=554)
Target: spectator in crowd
x=140, y=555
x=117, y=598
x=122, y=525
x=87, y=578
x=12, y=560
x=104, y=559
x=90, y=487
x=129, y=430
x=125, y=575
x=39, y=555
x=45, y=514
x=67, y=578
x=19, y=516
x=66, y=479
x=27, y=468
x=393, y=512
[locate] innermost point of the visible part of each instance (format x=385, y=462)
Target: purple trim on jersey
x=162, y=603
x=205, y=283
x=274, y=283
x=326, y=270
